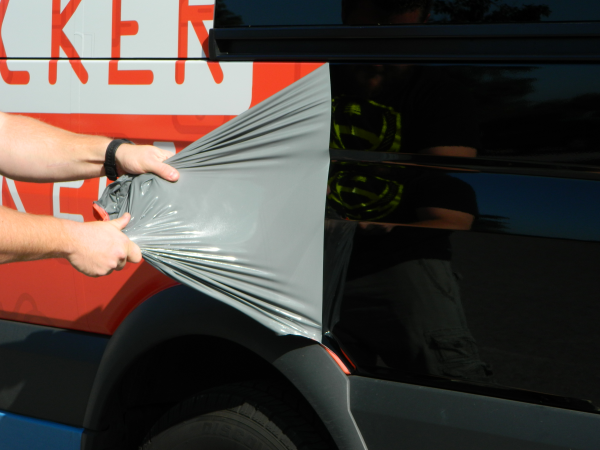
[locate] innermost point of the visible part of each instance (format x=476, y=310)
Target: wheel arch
x=180, y=313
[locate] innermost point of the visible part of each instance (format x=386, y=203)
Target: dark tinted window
x=434, y=274
x=232, y=13
x=547, y=113
x=510, y=11
x=508, y=312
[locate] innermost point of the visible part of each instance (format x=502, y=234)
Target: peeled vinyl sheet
x=245, y=222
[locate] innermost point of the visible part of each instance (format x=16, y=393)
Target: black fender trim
x=181, y=311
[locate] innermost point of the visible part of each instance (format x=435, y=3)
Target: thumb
x=164, y=171
x=134, y=254
x=121, y=222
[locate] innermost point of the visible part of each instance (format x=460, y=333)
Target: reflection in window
x=489, y=11
x=422, y=278
x=235, y=13
x=547, y=113
x=397, y=303
x=408, y=302
x=402, y=108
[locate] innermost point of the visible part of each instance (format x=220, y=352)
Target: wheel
x=244, y=416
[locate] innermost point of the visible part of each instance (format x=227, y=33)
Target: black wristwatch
x=110, y=160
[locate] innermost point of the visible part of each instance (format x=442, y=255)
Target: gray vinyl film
x=244, y=223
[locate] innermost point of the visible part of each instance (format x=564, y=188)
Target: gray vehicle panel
x=396, y=415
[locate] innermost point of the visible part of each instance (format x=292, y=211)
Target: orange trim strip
x=348, y=358
x=337, y=359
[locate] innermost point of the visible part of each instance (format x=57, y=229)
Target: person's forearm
x=449, y=219
x=31, y=150
x=450, y=150
x=27, y=237
x=93, y=248
x=441, y=224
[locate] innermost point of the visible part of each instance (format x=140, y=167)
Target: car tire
x=244, y=416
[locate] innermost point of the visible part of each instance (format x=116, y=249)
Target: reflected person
x=401, y=306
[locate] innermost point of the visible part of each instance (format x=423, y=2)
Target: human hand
x=137, y=159
x=98, y=248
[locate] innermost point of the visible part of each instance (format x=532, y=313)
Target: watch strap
x=110, y=158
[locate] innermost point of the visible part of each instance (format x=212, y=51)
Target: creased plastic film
x=244, y=223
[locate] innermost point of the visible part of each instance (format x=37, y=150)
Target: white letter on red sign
x=56, y=200
x=12, y=189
